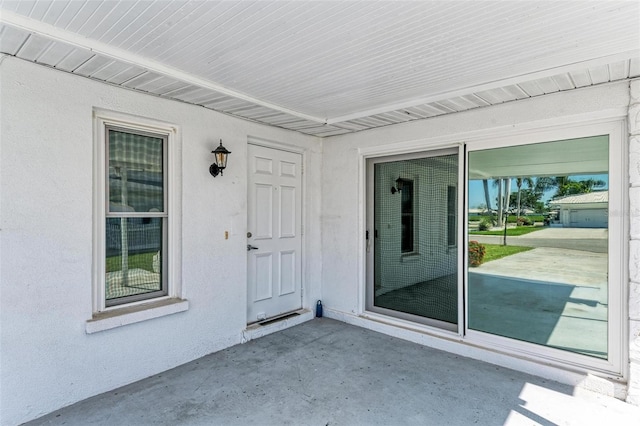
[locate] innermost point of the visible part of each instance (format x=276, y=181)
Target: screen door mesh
x=415, y=258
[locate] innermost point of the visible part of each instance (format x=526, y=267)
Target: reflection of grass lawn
x=141, y=261
x=511, y=232
x=495, y=251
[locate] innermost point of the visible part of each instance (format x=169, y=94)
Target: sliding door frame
x=613, y=125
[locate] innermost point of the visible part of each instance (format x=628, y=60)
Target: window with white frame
x=135, y=216
x=133, y=212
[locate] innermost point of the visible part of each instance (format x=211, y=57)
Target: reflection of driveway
x=551, y=265
x=591, y=240
x=550, y=296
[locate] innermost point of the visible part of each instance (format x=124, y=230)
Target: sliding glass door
x=517, y=244
x=414, y=234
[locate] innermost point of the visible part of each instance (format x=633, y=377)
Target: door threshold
x=278, y=318
x=277, y=323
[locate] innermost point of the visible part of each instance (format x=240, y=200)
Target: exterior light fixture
x=398, y=187
x=221, y=154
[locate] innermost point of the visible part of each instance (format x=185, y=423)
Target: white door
x=274, y=241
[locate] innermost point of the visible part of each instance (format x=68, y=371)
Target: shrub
x=524, y=221
x=533, y=218
x=485, y=224
x=476, y=253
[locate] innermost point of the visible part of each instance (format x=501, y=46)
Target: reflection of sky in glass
x=476, y=189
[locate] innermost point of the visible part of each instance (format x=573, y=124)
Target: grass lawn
x=496, y=251
x=142, y=261
x=511, y=232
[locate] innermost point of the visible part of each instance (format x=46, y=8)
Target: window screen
x=135, y=217
x=415, y=272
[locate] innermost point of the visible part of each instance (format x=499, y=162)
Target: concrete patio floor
x=325, y=372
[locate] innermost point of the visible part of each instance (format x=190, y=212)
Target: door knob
x=250, y=247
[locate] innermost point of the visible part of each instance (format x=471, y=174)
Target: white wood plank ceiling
x=327, y=67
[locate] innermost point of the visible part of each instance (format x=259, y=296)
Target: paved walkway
x=324, y=372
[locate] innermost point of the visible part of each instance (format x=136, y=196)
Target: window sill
x=132, y=314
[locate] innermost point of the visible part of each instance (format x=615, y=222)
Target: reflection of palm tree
x=507, y=194
x=519, y=182
x=545, y=183
x=564, y=185
x=498, y=183
x=503, y=197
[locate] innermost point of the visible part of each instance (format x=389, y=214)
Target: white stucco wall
x=343, y=266
x=633, y=395
x=46, y=140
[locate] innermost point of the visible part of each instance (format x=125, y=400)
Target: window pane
x=407, y=216
x=135, y=172
x=451, y=215
x=134, y=257
x=415, y=272
x=540, y=212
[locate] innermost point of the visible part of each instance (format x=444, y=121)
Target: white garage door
x=595, y=218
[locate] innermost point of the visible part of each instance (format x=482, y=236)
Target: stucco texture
x=46, y=184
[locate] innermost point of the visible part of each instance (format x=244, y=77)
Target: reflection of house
x=478, y=212
x=583, y=210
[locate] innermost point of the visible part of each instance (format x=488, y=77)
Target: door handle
x=250, y=247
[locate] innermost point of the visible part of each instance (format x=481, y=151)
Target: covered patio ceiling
x=328, y=68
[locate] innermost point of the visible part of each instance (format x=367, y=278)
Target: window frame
x=369, y=159
x=105, y=120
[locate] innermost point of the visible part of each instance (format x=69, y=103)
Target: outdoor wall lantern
x=398, y=187
x=221, y=154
